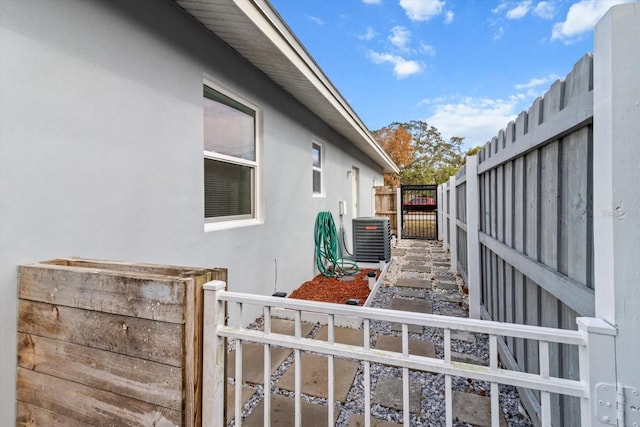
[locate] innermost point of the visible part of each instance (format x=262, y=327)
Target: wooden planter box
x=110, y=344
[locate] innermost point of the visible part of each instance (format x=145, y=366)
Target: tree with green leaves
x=433, y=160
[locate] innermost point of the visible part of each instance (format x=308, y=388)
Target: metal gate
x=419, y=211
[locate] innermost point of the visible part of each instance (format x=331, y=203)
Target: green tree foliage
x=434, y=160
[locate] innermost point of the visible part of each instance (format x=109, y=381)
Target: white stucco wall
x=101, y=152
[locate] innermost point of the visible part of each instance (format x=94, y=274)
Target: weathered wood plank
x=531, y=205
x=574, y=210
x=89, y=405
x=148, y=381
x=532, y=313
x=549, y=205
x=518, y=204
x=28, y=415
x=145, y=297
x=508, y=204
x=570, y=367
x=133, y=269
x=519, y=285
x=509, y=301
x=550, y=318
x=147, y=339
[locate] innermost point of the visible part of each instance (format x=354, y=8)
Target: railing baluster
x=238, y=377
x=298, y=373
x=405, y=376
x=367, y=376
x=495, y=390
x=545, y=397
x=330, y=370
x=448, y=394
x=267, y=369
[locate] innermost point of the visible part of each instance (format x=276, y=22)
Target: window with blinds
x=229, y=158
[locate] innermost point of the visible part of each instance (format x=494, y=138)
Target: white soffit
x=256, y=31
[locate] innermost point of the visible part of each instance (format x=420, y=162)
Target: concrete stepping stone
x=412, y=292
x=398, y=252
x=419, y=268
x=445, y=286
x=445, y=277
x=413, y=283
x=357, y=420
x=453, y=311
x=282, y=410
x=411, y=275
x=247, y=393
x=468, y=358
x=450, y=297
x=253, y=354
x=415, y=258
x=253, y=361
x=388, y=393
x=473, y=409
x=441, y=264
x=416, y=306
x=288, y=327
x=341, y=335
x=315, y=376
x=463, y=336
x=416, y=347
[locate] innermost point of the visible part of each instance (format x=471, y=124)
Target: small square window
x=316, y=156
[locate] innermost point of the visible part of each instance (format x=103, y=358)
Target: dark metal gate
x=419, y=211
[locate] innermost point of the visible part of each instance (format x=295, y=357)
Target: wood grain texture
x=148, y=381
x=88, y=405
x=143, y=338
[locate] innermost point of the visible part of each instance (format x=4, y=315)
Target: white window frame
x=315, y=142
x=235, y=221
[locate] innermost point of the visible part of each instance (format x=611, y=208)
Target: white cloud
x=448, y=17
x=402, y=68
x=370, y=34
x=499, y=8
x=581, y=18
x=316, y=20
x=371, y=1
x=476, y=119
x=427, y=49
x=399, y=36
x=544, y=10
x=520, y=11
x=537, y=86
x=422, y=10
x=499, y=33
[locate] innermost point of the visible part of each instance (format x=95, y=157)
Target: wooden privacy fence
x=594, y=339
x=386, y=205
x=519, y=218
x=529, y=195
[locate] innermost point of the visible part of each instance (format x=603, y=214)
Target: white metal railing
x=590, y=331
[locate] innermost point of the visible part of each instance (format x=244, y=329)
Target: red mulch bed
x=331, y=289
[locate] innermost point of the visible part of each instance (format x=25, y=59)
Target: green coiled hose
x=329, y=257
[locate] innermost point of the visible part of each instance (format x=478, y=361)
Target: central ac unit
x=371, y=239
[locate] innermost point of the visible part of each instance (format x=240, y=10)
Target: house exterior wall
x=101, y=141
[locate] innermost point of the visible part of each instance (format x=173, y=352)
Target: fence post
x=445, y=214
x=399, y=212
x=598, y=372
x=473, y=245
x=440, y=204
x=616, y=205
x=453, y=225
x=213, y=378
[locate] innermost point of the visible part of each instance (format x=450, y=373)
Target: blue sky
x=465, y=66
